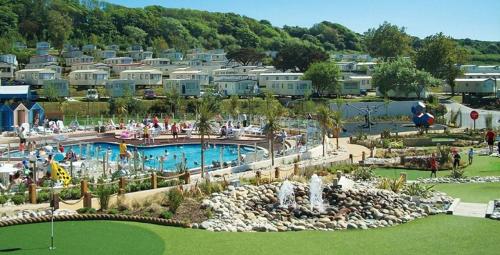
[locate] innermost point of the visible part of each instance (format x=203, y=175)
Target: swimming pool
x=173, y=154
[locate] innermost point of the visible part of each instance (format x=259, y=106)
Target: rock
x=298, y=228
x=351, y=225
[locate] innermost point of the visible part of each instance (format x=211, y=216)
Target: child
x=434, y=165
x=471, y=155
x=456, y=160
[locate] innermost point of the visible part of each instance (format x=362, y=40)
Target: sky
x=478, y=19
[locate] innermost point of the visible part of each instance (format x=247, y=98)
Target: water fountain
x=286, y=195
x=316, y=193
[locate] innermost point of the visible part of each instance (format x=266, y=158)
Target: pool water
x=173, y=154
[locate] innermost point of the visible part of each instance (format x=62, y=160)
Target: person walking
x=456, y=160
x=123, y=150
x=22, y=139
x=490, y=139
x=175, y=131
x=434, y=165
x=471, y=155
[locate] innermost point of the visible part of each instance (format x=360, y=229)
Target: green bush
x=417, y=189
x=175, y=198
x=363, y=173
x=42, y=196
x=344, y=168
x=72, y=193
x=18, y=199
x=3, y=199
x=457, y=173
x=210, y=187
x=86, y=210
x=113, y=211
x=104, y=192
x=166, y=215
x=395, y=185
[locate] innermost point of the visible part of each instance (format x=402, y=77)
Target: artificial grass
x=481, y=166
x=472, y=192
x=77, y=237
x=433, y=235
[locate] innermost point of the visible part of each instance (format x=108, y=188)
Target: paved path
x=470, y=210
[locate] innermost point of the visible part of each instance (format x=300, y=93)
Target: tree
x=159, y=45
x=51, y=92
x=324, y=116
x=8, y=20
x=388, y=41
x=401, y=76
x=297, y=55
x=135, y=35
x=207, y=109
x=59, y=29
x=325, y=76
x=232, y=107
x=273, y=110
x=338, y=124
x=440, y=55
x=246, y=56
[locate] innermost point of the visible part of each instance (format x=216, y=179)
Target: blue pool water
x=172, y=153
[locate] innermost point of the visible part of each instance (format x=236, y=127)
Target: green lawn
x=481, y=166
x=472, y=192
x=433, y=235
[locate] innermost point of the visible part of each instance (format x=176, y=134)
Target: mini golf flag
x=58, y=173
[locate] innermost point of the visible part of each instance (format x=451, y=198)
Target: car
x=149, y=94
x=92, y=95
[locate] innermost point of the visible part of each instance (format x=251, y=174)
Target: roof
x=280, y=74
x=89, y=71
x=36, y=70
x=33, y=104
x=187, y=71
x=481, y=73
x=236, y=80
x=143, y=71
x=14, y=90
x=360, y=77
x=475, y=79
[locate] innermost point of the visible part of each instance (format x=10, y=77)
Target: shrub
x=395, y=185
x=113, y=211
x=457, y=173
x=210, y=187
x=42, y=196
x=86, y=210
x=417, y=189
x=363, y=173
x=104, y=192
x=18, y=199
x=175, y=198
x=166, y=215
x=344, y=168
x=3, y=199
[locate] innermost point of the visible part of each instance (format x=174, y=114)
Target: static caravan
x=9, y=59
x=35, y=76
x=365, y=81
x=43, y=59
x=42, y=48
x=59, y=85
x=89, y=48
x=118, y=61
x=79, y=60
x=90, y=66
x=91, y=77
x=237, y=87
x=120, y=88
x=140, y=55
x=72, y=54
x=20, y=114
x=350, y=87
x=482, y=75
x=113, y=47
x=51, y=66
x=117, y=69
x=268, y=78
x=481, y=86
x=296, y=88
x=480, y=69
x=172, y=55
x=191, y=75
x=156, y=62
x=36, y=114
x=104, y=54
x=7, y=70
x=183, y=86
x=147, y=77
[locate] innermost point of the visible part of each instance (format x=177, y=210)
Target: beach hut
x=20, y=114
x=6, y=118
x=36, y=114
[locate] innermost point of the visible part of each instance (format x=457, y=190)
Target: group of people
x=228, y=128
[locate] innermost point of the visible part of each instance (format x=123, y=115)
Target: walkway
x=470, y=210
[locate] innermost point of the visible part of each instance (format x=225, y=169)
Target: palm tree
x=273, y=110
x=338, y=124
x=207, y=109
x=326, y=123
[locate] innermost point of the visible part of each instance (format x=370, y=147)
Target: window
x=290, y=86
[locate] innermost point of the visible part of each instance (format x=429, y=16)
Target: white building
x=139, y=55
x=118, y=61
x=237, y=87
x=478, y=86
x=147, y=77
x=183, y=86
x=42, y=59
x=365, y=81
x=49, y=65
x=84, y=59
x=120, y=88
x=267, y=78
x=191, y=75
x=90, y=77
x=90, y=66
x=7, y=70
x=482, y=75
x=480, y=69
x=156, y=62
x=295, y=88
x=35, y=76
